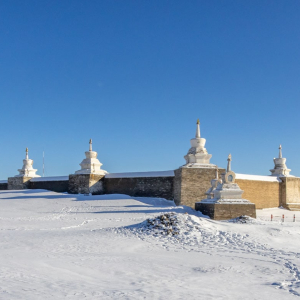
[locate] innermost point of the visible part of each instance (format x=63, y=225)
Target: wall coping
x=141, y=174
x=54, y=178
x=257, y=177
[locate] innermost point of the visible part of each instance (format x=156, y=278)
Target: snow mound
x=190, y=232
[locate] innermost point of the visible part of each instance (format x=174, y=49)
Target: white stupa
x=91, y=165
x=214, y=183
x=280, y=168
x=226, y=191
x=197, y=156
x=27, y=169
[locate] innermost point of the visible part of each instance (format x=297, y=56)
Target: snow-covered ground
x=60, y=246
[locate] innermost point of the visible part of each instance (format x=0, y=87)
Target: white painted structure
x=91, y=165
x=227, y=191
x=197, y=156
x=280, y=168
x=214, y=183
x=27, y=169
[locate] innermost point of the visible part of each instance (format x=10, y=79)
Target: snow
x=141, y=174
x=53, y=178
x=61, y=246
x=257, y=177
x=3, y=181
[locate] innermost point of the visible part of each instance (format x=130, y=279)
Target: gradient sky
x=135, y=75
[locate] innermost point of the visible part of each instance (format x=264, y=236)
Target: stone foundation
x=86, y=183
x=18, y=183
x=220, y=211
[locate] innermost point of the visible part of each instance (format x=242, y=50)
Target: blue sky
x=135, y=75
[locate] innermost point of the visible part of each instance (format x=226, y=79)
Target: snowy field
x=59, y=246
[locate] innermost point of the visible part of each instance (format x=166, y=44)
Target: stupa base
x=86, y=184
x=226, y=211
x=18, y=183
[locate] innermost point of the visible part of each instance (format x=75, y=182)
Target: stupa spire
x=217, y=173
x=91, y=145
x=26, y=156
x=198, y=129
x=280, y=151
x=229, y=163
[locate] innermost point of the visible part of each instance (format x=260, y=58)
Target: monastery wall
x=141, y=184
x=190, y=184
x=291, y=192
x=263, y=191
x=3, y=185
x=185, y=185
x=57, y=184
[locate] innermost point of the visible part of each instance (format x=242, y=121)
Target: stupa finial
x=280, y=151
x=198, y=129
x=229, y=163
x=217, y=173
x=91, y=145
x=26, y=157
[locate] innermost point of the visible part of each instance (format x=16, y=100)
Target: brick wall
x=190, y=184
x=161, y=187
x=3, y=186
x=263, y=194
x=59, y=186
x=291, y=192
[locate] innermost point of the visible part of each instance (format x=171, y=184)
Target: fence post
x=282, y=218
x=294, y=220
x=271, y=217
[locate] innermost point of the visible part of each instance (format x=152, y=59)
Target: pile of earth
x=170, y=224
x=245, y=220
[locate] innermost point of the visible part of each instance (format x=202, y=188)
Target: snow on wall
x=3, y=181
x=54, y=178
x=257, y=177
x=141, y=174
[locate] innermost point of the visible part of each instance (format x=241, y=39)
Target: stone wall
x=291, y=192
x=190, y=184
x=3, y=185
x=187, y=187
x=59, y=186
x=161, y=187
x=264, y=194
x=18, y=183
x=226, y=211
x=86, y=183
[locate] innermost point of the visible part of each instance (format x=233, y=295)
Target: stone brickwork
x=18, y=183
x=3, y=186
x=264, y=194
x=218, y=211
x=190, y=184
x=290, y=193
x=161, y=187
x=85, y=184
x=59, y=186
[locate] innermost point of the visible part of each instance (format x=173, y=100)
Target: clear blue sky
x=136, y=75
